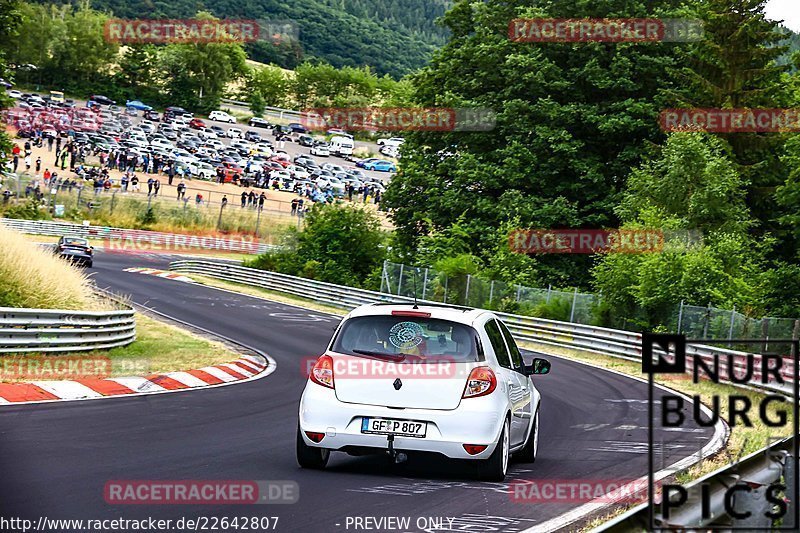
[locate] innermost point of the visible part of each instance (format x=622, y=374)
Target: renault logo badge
x=397, y=384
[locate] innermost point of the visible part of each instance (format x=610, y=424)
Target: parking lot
x=199, y=152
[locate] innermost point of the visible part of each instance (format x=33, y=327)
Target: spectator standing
x=134, y=183
x=182, y=190
x=156, y=187
x=244, y=198
x=150, y=182
x=38, y=164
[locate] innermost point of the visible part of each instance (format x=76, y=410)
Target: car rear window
x=79, y=242
x=420, y=339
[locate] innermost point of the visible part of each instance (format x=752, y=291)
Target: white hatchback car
x=222, y=116
x=400, y=378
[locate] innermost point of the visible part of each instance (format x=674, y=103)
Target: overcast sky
x=787, y=10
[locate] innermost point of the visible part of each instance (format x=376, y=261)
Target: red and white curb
x=160, y=274
x=245, y=368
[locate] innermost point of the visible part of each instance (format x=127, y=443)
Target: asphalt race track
x=56, y=458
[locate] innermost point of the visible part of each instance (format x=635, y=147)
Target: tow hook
x=397, y=457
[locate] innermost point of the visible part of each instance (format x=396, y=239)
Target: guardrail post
x=706, y=320
x=574, y=302
x=549, y=290
x=796, y=330
x=466, y=291
x=790, y=482
x=425, y=284
x=680, y=318
x=491, y=291
x=444, y=300
x=765, y=333
x=519, y=289
x=400, y=279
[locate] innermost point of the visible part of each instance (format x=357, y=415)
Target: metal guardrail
x=59, y=330
x=134, y=238
x=770, y=465
x=616, y=343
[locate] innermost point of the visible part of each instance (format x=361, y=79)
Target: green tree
x=571, y=120
x=81, y=52
x=271, y=83
x=196, y=74
x=736, y=65
x=694, y=187
x=339, y=244
x=345, y=241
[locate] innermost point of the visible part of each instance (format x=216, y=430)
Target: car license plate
x=385, y=426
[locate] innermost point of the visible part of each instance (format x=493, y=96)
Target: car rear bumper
x=474, y=421
x=77, y=258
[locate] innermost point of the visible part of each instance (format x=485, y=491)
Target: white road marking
x=67, y=389
x=186, y=379
x=217, y=373
x=138, y=384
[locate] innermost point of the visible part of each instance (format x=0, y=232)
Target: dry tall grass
x=32, y=276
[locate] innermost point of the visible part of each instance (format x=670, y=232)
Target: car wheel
x=528, y=453
x=89, y=264
x=202, y=176
x=495, y=467
x=310, y=457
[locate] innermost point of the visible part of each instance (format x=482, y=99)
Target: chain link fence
x=473, y=291
x=571, y=306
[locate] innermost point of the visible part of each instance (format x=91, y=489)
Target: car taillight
x=322, y=372
x=481, y=381
x=315, y=437
x=473, y=449
x=89, y=249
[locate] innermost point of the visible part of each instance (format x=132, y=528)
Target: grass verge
x=36, y=278
x=275, y=296
x=159, y=347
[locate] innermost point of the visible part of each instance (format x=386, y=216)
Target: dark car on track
x=296, y=127
x=76, y=250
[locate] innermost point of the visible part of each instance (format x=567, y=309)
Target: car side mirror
x=539, y=366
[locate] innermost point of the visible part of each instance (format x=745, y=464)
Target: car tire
x=309, y=456
x=89, y=264
x=528, y=452
x=496, y=466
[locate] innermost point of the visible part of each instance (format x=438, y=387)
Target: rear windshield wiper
x=390, y=356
